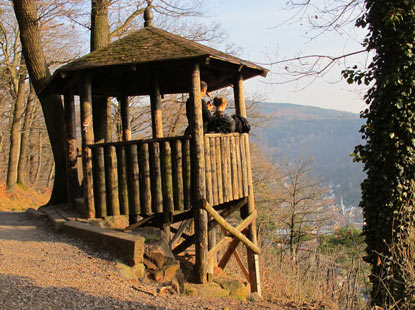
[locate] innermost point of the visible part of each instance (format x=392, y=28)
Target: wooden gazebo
x=164, y=180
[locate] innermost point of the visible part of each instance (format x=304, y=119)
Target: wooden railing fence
x=143, y=177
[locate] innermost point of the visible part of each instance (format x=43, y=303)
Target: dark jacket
x=221, y=123
x=206, y=115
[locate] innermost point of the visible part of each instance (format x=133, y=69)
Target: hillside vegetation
x=296, y=132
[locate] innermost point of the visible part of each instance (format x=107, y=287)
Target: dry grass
x=22, y=198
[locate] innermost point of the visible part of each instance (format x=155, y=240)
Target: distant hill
x=298, y=132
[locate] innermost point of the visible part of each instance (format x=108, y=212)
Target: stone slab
x=125, y=246
x=57, y=221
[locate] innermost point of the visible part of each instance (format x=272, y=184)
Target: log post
x=71, y=160
x=156, y=116
x=253, y=262
x=198, y=178
x=87, y=138
x=125, y=118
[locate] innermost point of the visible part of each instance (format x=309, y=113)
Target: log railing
x=143, y=177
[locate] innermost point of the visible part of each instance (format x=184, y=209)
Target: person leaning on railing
x=221, y=122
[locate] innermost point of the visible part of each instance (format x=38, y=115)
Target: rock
x=35, y=213
x=210, y=290
x=166, y=273
x=159, y=254
x=150, y=234
x=118, y=222
x=235, y=287
x=178, y=282
x=130, y=273
x=255, y=297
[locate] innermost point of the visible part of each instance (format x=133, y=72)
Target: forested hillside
x=296, y=132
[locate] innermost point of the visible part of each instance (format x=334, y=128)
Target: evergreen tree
x=389, y=152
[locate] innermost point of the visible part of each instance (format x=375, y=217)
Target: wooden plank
x=145, y=182
x=125, y=143
x=213, y=259
x=219, y=170
x=87, y=134
x=122, y=180
x=141, y=222
x=155, y=175
x=212, y=224
x=186, y=174
x=99, y=182
x=228, y=253
x=236, y=233
x=111, y=181
x=179, y=232
x=133, y=180
x=242, y=227
x=229, y=167
x=241, y=265
x=234, y=168
x=167, y=186
x=177, y=170
x=214, y=175
x=239, y=166
x=224, y=169
x=244, y=166
x=208, y=172
x=221, y=244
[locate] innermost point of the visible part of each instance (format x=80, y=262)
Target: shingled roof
x=145, y=51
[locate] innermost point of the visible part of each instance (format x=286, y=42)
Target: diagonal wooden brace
x=235, y=232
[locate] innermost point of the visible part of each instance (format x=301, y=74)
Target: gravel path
x=40, y=269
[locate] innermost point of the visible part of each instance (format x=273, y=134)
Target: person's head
x=219, y=103
x=203, y=88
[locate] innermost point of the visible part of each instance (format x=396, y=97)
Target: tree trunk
x=21, y=170
x=50, y=176
x=39, y=160
x=15, y=128
x=25, y=11
x=99, y=38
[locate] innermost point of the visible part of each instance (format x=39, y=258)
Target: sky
x=261, y=29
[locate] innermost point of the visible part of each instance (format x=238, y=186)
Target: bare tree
x=301, y=206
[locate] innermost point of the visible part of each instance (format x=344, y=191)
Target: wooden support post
x=239, y=96
x=99, y=182
x=253, y=261
x=198, y=177
x=71, y=155
x=145, y=183
x=167, y=187
x=156, y=116
x=133, y=181
x=125, y=118
x=186, y=174
x=111, y=180
x=87, y=138
x=176, y=151
x=156, y=190
x=122, y=180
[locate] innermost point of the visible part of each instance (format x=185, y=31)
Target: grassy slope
x=22, y=198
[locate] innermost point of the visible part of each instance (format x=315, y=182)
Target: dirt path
x=40, y=269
